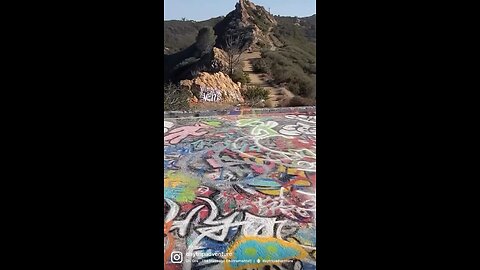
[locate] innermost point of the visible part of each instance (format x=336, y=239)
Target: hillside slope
x=179, y=35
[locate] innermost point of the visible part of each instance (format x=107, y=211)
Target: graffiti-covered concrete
x=240, y=192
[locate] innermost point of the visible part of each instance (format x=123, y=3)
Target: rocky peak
x=249, y=13
x=241, y=5
x=247, y=20
x=241, y=8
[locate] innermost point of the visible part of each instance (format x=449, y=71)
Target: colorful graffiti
x=240, y=192
x=261, y=251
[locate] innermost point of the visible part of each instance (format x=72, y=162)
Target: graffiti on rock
x=210, y=95
x=240, y=193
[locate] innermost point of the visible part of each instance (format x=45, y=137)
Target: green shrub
x=310, y=69
x=307, y=86
x=246, y=78
x=259, y=21
x=300, y=84
x=299, y=101
x=187, y=62
x=175, y=98
x=205, y=40
x=294, y=87
x=297, y=81
x=280, y=73
x=260, y=65
x=240, y=76
x=256, y=94
x=262, y=45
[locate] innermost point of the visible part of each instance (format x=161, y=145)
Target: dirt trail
x=279, y=96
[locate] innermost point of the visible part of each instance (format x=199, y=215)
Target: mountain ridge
x=179, y=34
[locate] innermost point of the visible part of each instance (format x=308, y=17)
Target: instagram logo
x=176, y=257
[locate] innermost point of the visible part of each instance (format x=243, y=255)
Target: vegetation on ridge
x=179, y=35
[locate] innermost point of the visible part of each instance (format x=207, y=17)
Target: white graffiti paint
x=210, y=95
x=306, y=193
x=298, y=129
x=166, y=126
x=269, y=206
x=304, y=118
x=258, y=226
x=174, y=208
x=295, y=155
x=182, y=225
x=306, y=166
x=203, y=189
x=261, y=129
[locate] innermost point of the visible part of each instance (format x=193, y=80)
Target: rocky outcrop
x=249, y=21
x=216, y=87
x=249, y=11
x=215, y=61
x=219, y=59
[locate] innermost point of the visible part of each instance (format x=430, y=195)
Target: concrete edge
x=238, y=111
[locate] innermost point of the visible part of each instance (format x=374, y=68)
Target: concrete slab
x=240, y=190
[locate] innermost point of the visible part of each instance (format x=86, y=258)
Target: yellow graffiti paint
x=304, y=183
x=291, y=171
x=268, y=245
x=169, y=182
x=250, y=251
x=270, y=192
x=180, y=187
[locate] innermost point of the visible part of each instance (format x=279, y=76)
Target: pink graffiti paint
x=177, y=135
x=257, y=169
x=203, y=190
x=213, y=163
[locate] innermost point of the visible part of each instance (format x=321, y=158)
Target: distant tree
x=205, y=40
x=234, y=47
x=184, y=19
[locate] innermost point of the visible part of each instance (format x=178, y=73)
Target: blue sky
x=200, y=10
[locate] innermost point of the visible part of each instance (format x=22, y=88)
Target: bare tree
x=234, y=47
